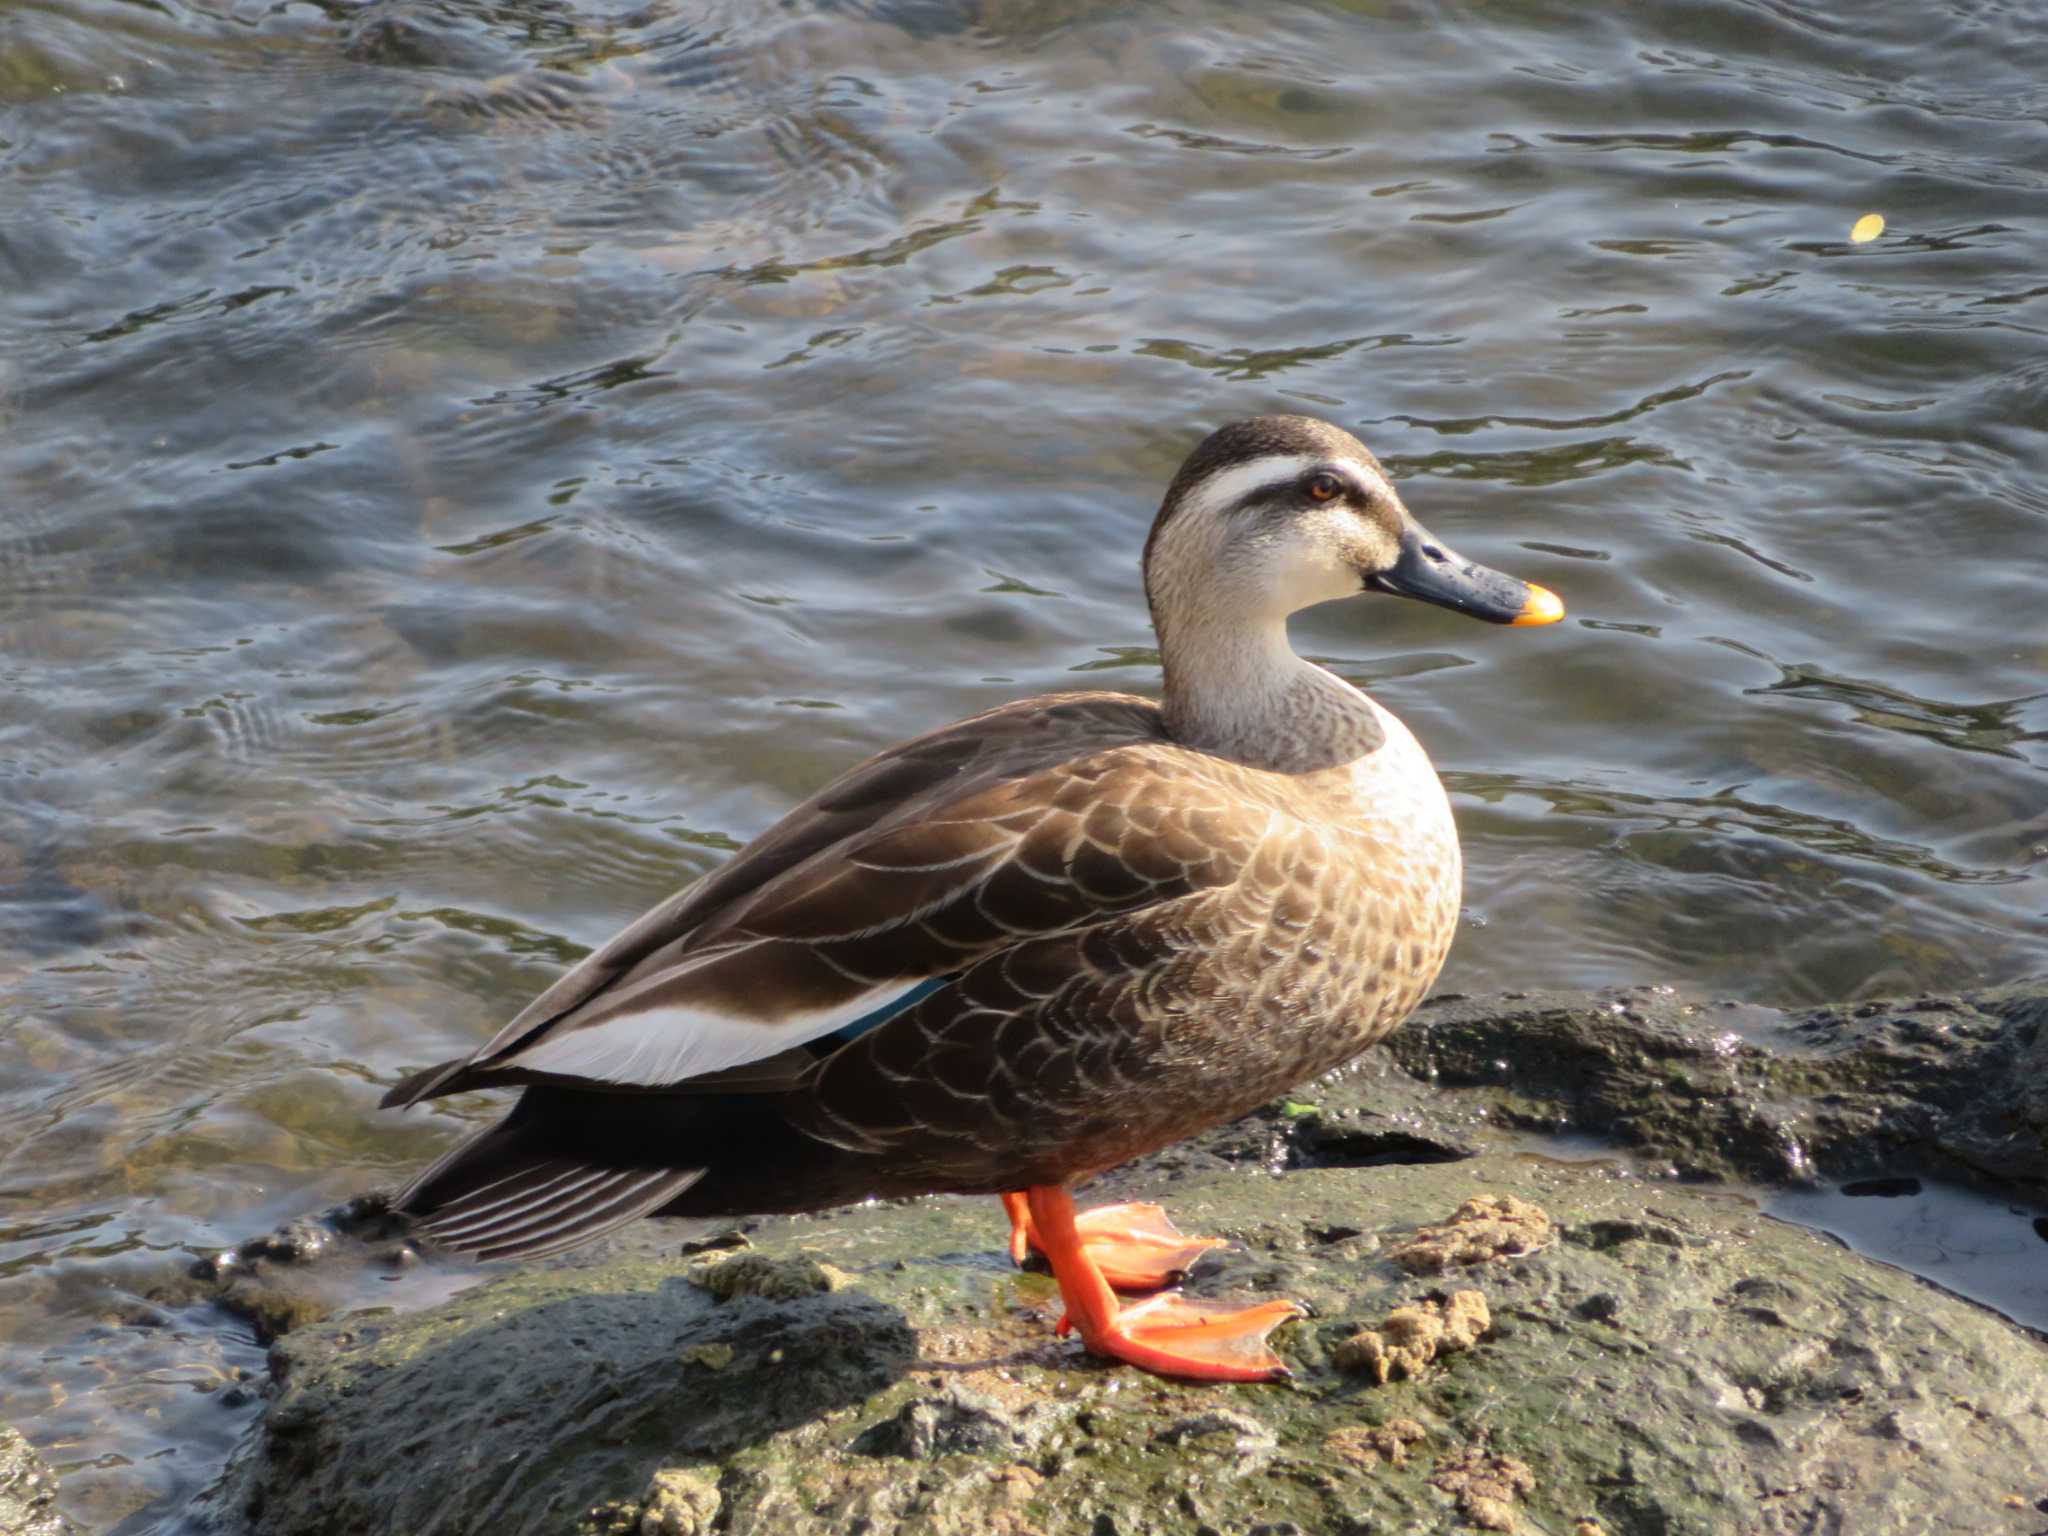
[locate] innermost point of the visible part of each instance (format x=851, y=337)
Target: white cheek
x=1311, y=567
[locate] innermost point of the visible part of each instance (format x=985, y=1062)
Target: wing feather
x=1038, y=819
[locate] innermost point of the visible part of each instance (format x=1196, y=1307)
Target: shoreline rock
x=1676, y=1362
x=1951, y=1086
x=1658, y=1358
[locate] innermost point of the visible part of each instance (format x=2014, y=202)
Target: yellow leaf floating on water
x=1866, y=229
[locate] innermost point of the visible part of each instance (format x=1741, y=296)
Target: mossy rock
x=1674, y=1362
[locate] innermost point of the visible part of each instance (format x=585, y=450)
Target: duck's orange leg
x=1135, y=1246
x=1168, y=1334
x=1018, y=1208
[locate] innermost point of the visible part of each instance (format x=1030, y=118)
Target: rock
x=394, y=33
x=952, y=1419
x=299, y=1273
x=1411, y=1337
x=1952, y=1085
x=1480, y=1231
x=713, y=1357
x=480, y=1391
x=1486, y=1487
x=28, y=1490
x=758, y=1274
x=1367, y=1445
x=1236, y=1435
x=1675, y=1363
x=678, y=1502
x=1669, y=1361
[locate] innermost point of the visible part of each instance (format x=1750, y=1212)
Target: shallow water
x=468, y=466
x=1992, y=1250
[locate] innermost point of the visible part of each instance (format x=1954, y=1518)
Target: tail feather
x=552, y=1222
x=558, y=1171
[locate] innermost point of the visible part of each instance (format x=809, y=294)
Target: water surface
x=1977, y=1245
x=468, y=466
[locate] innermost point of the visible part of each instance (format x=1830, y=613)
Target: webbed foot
x=1168, y=1334
x=1136, y=1246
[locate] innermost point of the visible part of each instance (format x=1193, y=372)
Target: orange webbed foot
x=1167, y=1334
x=1136, y=1246
x=1172, y=1335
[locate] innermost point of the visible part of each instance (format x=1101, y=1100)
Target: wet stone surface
x=1956, y=1086
x=797, y=1374
x=1675, y=1363
x=28, y=1491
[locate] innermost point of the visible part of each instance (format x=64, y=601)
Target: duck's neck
x=1240, y=691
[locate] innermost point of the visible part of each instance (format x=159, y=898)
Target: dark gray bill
x=1429, y=571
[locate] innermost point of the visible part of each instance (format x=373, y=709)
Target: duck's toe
x=1170, y=1335
x=1136, y=1246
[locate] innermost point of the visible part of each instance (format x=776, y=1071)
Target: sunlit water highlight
x=469, y=466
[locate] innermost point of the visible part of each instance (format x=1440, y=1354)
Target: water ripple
x=472, y=463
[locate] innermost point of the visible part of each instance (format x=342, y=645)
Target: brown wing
x=1036, y=819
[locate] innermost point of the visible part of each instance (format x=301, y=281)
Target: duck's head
x=1278, y=513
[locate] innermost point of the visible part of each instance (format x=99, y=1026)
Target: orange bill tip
x=1543, y=607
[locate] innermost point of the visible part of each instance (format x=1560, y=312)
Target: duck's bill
x=1433, y=573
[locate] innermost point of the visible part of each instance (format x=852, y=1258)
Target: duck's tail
x=564, y=1167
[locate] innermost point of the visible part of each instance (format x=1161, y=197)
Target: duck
x=1017, y=951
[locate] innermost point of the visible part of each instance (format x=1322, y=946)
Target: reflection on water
x=1998, y=726
x=469, y=466
x=1988, y=1249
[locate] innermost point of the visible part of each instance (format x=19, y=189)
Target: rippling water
x=469, y=464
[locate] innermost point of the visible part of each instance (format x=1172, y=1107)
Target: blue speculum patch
x=887, y=1011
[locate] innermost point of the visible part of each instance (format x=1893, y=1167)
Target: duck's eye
x=1324, y=487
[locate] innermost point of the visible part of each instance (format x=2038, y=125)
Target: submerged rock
x=1677, y=1363
x=299, y=1273
x=28, y=1490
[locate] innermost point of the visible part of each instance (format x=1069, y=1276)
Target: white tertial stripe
x=562, y=1187
x=655, y=1047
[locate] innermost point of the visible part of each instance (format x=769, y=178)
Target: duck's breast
x=1404, y=872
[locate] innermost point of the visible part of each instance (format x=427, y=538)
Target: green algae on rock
x=1678, y=1363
